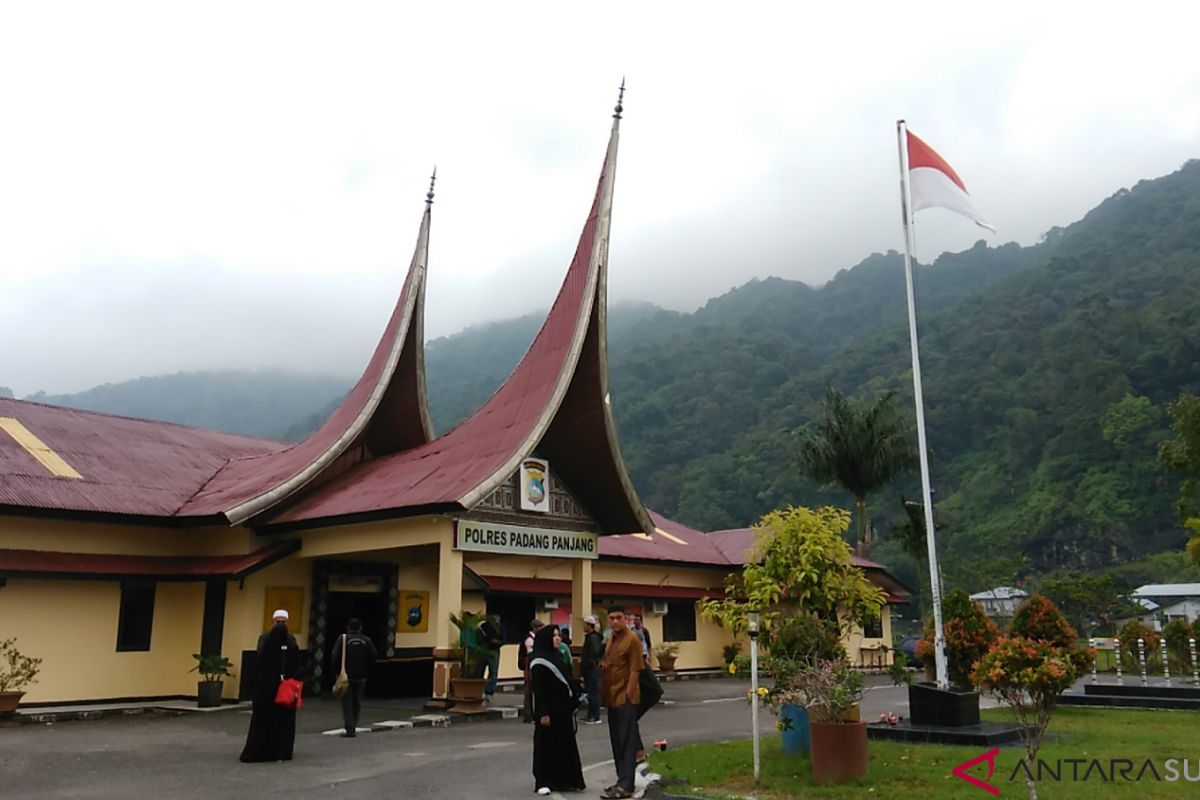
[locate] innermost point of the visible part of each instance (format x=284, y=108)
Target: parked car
x=908, y=646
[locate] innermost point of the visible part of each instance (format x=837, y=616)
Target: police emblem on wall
x=535, y=485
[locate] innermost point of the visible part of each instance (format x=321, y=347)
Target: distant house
x=1001, y=602
x=1168, y=601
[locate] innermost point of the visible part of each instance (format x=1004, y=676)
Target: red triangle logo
x=990, y=757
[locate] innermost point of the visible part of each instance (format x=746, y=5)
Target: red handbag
x=289, y=694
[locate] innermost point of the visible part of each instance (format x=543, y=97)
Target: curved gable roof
x=555, y=401
x=385, y=412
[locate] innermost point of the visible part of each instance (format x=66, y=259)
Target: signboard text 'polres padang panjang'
x=490, y=537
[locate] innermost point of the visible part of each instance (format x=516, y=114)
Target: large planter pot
x=208, y=693
x=951, y=708
x=467, y=694
x=666, y=663
x=9, y=702
x=794, y=732
x=839, y=751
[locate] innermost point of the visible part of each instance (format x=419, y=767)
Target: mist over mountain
x=1047, y=372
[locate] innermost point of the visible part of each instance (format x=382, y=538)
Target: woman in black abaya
x=272, y=731
x=556, y=764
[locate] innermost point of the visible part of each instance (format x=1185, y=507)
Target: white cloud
x=187, y=187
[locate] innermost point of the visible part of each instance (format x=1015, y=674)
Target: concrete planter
x=9, y=702
x=467, y=694
x=950, y=708
x=208, y=693
x=666, y=664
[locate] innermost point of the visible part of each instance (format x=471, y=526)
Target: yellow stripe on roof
x=674, y=539
x=645, y=536
x=49, y=459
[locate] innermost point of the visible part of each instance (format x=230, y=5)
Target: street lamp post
x=752, y=626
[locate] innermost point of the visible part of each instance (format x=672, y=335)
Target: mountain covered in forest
x=1047, y=372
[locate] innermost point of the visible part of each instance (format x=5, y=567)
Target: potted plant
x=212, y=669
x=16, y=672
x=666, y=653
x=801, y=561
x=969, y=635
x=831, y=691
x=466, y=688
x=730, y=653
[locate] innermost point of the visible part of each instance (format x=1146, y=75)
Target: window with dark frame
x=873, y=629
x=515, y=615
x=679, y=625
x=136, y=619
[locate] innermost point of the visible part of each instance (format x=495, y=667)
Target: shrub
x=1129, y=633
x=1177, y=632
x=1028, y=675
x=212, y=667
x=16, y=670
x=969, y=635
x=730, y=652
x=666, y=650
x=1039, y=619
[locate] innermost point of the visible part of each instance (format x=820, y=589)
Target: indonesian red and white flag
x=933, y=182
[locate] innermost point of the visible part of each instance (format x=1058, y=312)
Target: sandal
x=615, y=793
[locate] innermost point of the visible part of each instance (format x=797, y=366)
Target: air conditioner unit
x=549, y=603
x=658, y=606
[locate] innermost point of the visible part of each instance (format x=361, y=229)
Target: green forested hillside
x=1047, y=372
x=251, y=402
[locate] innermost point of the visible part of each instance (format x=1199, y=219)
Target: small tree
x=1028, y=675
x=1087, y=599
x=800, y=562
x=1182, y=454
x=969, y=635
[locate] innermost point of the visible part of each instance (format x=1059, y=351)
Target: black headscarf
x=543, y=644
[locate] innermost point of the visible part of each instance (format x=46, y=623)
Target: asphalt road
x=196, y=756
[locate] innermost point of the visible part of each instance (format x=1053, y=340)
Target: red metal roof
x=670, y=541
x=128, y=466
x=94, y=565
x=385, y=411
x=562, y=588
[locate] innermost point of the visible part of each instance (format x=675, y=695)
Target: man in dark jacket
x=491, y=639
x=589, y=667
x=360, y=654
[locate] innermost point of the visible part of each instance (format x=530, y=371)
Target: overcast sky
x=193, y=186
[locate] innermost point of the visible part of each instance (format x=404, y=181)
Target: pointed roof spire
x=385, y=412
x=429, y=194
x=554, y=403
x=620, y=100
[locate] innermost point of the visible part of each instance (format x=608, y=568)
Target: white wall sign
x=534, y=487
x=490, y=537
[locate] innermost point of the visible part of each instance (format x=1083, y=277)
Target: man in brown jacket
x=619, y=688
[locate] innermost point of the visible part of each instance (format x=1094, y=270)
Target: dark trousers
x=352, y=705
x=493, y=672
x=623, y=734
x=592, y=683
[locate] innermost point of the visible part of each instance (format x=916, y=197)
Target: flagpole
x=935, y=582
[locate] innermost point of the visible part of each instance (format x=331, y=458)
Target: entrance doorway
x=345, y=590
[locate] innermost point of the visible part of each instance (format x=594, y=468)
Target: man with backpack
x=491, y=639
x=357, y=653
x=593, y=654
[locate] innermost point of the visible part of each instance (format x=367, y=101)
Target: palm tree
x=859, y=446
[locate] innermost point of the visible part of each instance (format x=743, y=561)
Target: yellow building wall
x=72, y=627
x=74, y=536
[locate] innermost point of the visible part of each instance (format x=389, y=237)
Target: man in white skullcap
x=279, y=617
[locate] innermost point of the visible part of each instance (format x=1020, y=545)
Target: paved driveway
x=196, y=756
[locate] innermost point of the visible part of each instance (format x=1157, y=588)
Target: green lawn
x=922, y=772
